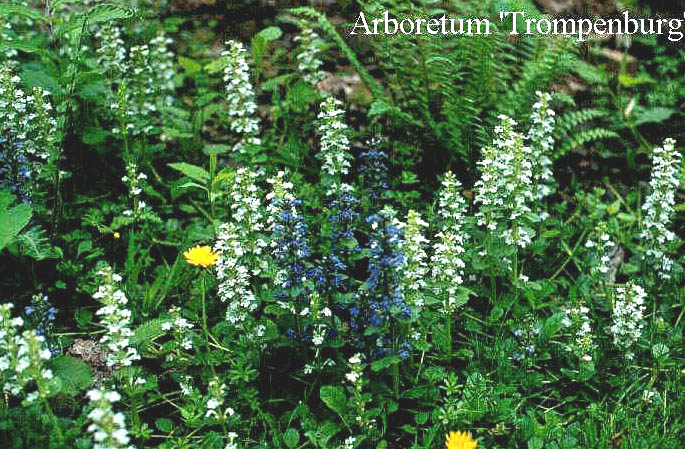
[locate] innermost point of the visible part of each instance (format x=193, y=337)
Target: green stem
x=448, y=325
x=395, y=366
x=493, y=279
x=204, y=309
x=515, y=274
x=212, y=173
x=130, y=254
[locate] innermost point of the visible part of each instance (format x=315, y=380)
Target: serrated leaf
x=33, y=243
x=147, y=332
x=35, y=74
x=291, y=437
x=321, y=434
x=385, y=362
x=334, y=397
x=74, y=374
x=12, y=221
x=217, y=65
x=99, y=14
x=194, y=172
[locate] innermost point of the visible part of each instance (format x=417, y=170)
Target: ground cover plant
x=232, y=225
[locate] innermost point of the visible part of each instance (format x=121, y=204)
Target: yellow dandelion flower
x=201, y=256
x=460, y=440
x=116, y=235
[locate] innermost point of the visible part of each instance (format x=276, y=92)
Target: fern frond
x=585, y=137
x=571, y=120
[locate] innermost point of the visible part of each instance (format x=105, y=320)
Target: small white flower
x=628, y=316
x=659, y=207
x=352, y=376
x=106, y=425
x=335, y=144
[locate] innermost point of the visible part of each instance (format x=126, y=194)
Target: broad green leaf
x=12, y=221
x=217, y=65
x=653, y=115
x=270, y=33
x=194, y=172
x=334, y=397
x=189, y=65
x=535, y=443
x=385, y=362
x=35, y=74
x=164, y=424
x=291, y=437
x=74, y=374
x=660, y=351
x=93, y=135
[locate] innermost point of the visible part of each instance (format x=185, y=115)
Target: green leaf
x=321, y=434
x=32, y=242
x=146, y=333
x=270, y=33
x=291, y=438
x=660, y=351
x=25, y=47
x=96, y=90
x=164, y=424
x=334, y=398
x=13, y=220
x=189, y=65
x=421, y=418
x=99, y=14
x=280, y=80
x=75, y=375
x=535, y=443
x=93, y=135
x=187, y=185
x=632, y=81
x=653, y=115
x=35, y=74
x=385, y=362
x=216, y=149
x=194, y=172
x=300, y=96
x=614, y=208
x=217, y=65
x=409, y=177
x=10, y=10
